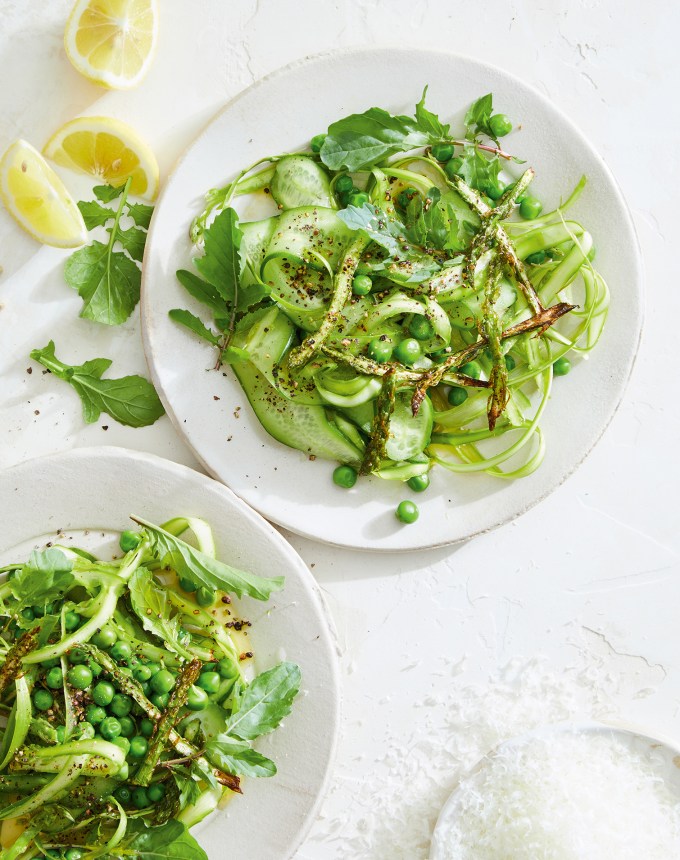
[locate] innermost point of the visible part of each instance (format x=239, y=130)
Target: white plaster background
x=589, y=575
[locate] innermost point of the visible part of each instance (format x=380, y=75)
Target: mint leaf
x=193, y=323
x=140, y=214
x=189, y=562
x=265, y=702
x=478, y=116
x=170, y=841
x=234, y=756
x=133, y=240
x=94, y=214
x=107, y=281
x=152, y=607
x=130, y=400
x=107, y=193
x=45, y=577
x=383, y=230
x=429, y=122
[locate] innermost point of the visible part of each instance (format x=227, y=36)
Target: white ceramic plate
x=660, y=755
x=97, y=489
x=281, y=113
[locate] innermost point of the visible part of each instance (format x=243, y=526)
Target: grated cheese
x=568, y=795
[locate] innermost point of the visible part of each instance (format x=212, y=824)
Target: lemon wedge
x=38, y=200
x=112, y=42
x=107, y=149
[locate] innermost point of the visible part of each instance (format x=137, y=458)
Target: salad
x=393, y=312
x=128, y=707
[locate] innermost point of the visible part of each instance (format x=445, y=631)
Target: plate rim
x=100, y=453
x=638, y=278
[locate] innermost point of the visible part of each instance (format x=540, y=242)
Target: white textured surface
x=590, y=576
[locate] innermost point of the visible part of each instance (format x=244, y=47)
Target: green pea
x=442, y=151
x=79, y=677
x=500, y=125
x=129, y=540
x=109, y=728
x=452, y=168
x=407, y=512
x=493, y=190
x=536, y=258
x=530, y=208
x=227, y=668
x=317, y=142
x=127, y=726
x=72, y=620
x=77, y=655
x=187, y=585
x=156, y=792
x=155, y=667
x=345, y=476
x=142, y=672
x=104, y=638
x=457, y=396
x=27, y=614
x=61, y=734
x=140, y=798
x=44, y=609
x=146, y=727
x=138, y=746
x=344, y=183
x=562, y=366
x=510, y=362
x=419, y=483
x=122, y=794
x=163, y=681
x=362, y=285
x=103, y=693
x=380, y=349
x=121, y=705
x=43, y=700
x=121, y=651
x=51, y=663
x=197, y=699
x=421, y=328
x=407, y=351
x=73, y=854
x=123, y=743
x=209, y=681
x=54, y=678
x=358, y=198
x=160, y=700
x=205, y=596
x=95, y=714
x=471, y=369
x=406, y=196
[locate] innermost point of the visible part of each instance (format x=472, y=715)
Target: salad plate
x=282, y=113
x=88, y=496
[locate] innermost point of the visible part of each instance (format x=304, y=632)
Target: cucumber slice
x=305, y=428
x=409, y=434
x=362, y=415
x=368, y=390
x=349, y=430
x=301, y=181
x=256, y=237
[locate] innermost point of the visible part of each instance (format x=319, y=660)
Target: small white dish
x=663, y=757
x=280, y=114
x=96, y=490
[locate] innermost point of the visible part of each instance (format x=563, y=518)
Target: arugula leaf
x=188, y=787
x=150, y=603
x=45, y=577
x=107, y=193
x=222, y=263
x=361, y=140
x=266, y=702
x=133, y=240
x=94, y=214
x=108, y=281
x=193, y=323
x=478, y=116
x=426, y=226
x=170, y=841
x=130, y=400
x=478, y=171
x=461, y=230
x=234, y=756
x=383, y=230
x=202, y=291
x=189, y=562
x=140, y=214
x=429, y=122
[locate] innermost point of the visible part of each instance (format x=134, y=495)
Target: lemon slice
x=37, y=199
x=107, y=149
x=112, y=42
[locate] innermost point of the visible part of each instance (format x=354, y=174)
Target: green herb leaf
x=426, y=225
x=266, y=702
x=190, y=562
x=193, y=323
x=133, y=240
x=202, y=291
x=130, y=400
x=383, y=230
x=45, y=577
x=234, y=756
x=360, y=141
x=429, y=122
x=94, y=214
x=479, y=171
x=107, y=281
x=140, y=214
x=151, y=605
x=222, y=264
x=170, y=841
x=478, y=116
x=461, y=230
x=107, y=193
